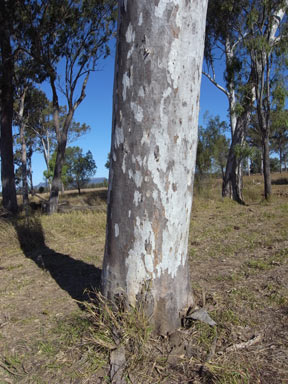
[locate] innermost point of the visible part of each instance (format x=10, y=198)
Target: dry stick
x=244, y=345
x=8, y=370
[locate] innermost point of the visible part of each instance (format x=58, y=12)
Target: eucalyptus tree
x=154, y=138
x=245, y=31
x=74, y=34
x=20, y=119
x=213, y=147
x=8, y=52
x=225, y=34
x=41, y=126
x=267, y=23
x=80, y=167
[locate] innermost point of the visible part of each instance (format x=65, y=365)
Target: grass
x=238, y=259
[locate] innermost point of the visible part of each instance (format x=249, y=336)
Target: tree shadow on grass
x=283, y=181
x=73, y=276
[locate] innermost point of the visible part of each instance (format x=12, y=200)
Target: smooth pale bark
x=233, y=177
x=9, y=200
x=23, y=153
x=154, y=139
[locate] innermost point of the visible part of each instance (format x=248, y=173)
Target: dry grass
x=238, y=258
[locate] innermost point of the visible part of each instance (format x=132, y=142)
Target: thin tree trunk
x=30, y=172
x=57, y=182
x=24, y=169
x=262, y=163
x=25, y=196
x=154, y=139
x=9, y=199
x=233, y=172
x=56, y=186
x=266, y=168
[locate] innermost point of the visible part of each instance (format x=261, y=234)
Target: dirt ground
x=239, y=274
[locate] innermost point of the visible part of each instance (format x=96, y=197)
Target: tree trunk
x=25, y=196
x=29, y=169
x=266, y=168
x=9, y=200
x=24, y=169
x=233, y=173
x=56, y=186
x=57, y=182
x=262, y=163
x=154, y=139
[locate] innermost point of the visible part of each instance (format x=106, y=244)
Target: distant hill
x=95, y=180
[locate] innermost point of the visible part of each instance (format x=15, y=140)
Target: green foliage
x=274, y=164
x=79, y=167
x=243, y=151
x=213, y=147
x=107, y=164
x=77, y=32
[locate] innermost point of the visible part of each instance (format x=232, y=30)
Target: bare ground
x=239, y=274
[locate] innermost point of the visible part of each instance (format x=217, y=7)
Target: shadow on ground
x=283, y=181
x=74, y=276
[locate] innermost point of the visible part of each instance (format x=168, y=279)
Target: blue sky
x=96, y=111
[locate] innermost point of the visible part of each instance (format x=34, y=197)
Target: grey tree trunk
x=266, y=168
x=56, y=186
x=233, y=172
x=29, y=169
x=24, y=170
x=154, y=139
x=9, y=200
x=25, y=195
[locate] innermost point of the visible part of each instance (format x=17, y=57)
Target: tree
x=41, y=126
x=80, y=168
x=77, y=168
x=267, y=28
x=7, y=14
x=49, y=172
x=153, y=152
x=213, y=147
x=224, y=36
x=248, y=33
x=22, y=124
x=77, y=33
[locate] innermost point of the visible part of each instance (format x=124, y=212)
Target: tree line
x=251, y=37
x=37, y=38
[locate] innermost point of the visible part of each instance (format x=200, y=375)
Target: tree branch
x=213, y=81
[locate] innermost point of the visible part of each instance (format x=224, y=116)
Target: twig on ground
x=4, y=366
x=246, y=344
